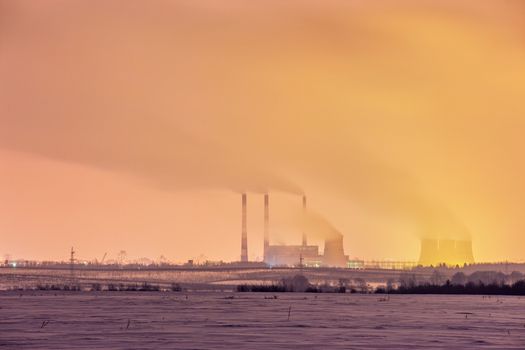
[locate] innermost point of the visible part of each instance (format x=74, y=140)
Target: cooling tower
x=464, y=250
x=445, y=251
x=334, y=254
x=244, y=234
x=266, y=224
x=429, y=253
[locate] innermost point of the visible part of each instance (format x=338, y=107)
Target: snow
x=167, y=320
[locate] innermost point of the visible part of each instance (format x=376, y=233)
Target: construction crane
x=97, y=262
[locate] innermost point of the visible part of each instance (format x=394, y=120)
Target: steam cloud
x=193, y=103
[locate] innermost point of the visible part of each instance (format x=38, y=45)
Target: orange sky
x=133, y=125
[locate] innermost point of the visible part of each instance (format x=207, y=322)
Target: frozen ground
x=166, y=320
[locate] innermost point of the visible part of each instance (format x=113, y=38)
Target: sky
x=134, y=125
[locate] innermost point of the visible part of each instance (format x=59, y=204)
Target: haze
x=134, y=125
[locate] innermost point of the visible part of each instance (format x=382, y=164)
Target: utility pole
x=72, y=264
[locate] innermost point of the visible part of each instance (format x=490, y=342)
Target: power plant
x=445, y=251
x=433, y=251
x=291, y=255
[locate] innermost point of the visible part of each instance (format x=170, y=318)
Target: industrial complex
x=433, y=252
x=293, y=255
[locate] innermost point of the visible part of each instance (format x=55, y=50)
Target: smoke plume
x=381, y=104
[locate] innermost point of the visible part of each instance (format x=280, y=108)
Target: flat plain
x=199, y=320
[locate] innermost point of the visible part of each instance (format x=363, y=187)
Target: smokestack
x=244, y=237
x=266, y=224
x=305, y=241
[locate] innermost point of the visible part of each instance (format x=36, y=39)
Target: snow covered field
x=166, y=320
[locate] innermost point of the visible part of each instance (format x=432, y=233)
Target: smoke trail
x=374, y=185
x=184, y=121
x=160, y=154
x=288, y=214
x=315, y=224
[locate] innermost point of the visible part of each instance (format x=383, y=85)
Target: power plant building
x=294, y=255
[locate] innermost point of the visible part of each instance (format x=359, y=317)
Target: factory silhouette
x=434, y=251
x=291, y=255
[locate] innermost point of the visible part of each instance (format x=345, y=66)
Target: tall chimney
x=266, y=224
x=305, y=240
x=244, y=237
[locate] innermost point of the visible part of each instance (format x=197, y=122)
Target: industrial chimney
x=305, y=241
x=266, y=224
x=244, y=235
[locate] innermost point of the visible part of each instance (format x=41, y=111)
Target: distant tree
x=459, y=279
x=437, y=278
x=487, y=277
x=519, y=287
x=407, y=280
x=515, y=276
x=361, y=285
x=163, y=260
x=343, y=284
x=121, y=257
x=389, y=285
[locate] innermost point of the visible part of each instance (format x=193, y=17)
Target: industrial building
x=445, y=251
x=293, y=255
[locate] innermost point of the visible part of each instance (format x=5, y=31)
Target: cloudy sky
x=134, y=125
